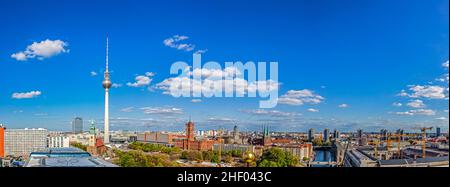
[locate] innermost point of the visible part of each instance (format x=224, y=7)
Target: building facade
x=21, y=142
x=190, y=143
x=58, y=141
x=77, y=125
x=326, y=135
x=2, y=141
x=311, y=135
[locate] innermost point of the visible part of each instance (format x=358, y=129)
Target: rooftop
x=65, y=157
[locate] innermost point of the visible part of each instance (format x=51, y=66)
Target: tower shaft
x=106, y=136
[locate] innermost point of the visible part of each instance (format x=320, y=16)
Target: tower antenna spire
x=107, y=50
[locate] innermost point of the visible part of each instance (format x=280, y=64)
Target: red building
x=189, y=143
x=2, y=141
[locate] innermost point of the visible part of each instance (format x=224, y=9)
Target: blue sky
x=356, y=55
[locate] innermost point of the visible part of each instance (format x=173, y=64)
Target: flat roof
x=68, y=162
x=65, y=157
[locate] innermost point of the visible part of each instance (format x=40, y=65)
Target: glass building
x=77, y=125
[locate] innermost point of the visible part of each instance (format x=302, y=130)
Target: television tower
x=107, y=85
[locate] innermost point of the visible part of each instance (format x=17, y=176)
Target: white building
x=58, y=141
x=83, y=138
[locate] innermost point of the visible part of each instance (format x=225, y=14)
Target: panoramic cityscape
x=308, y=84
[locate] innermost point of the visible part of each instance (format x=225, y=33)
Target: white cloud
x=20, y=56
x=26, y=95
x=93, y=73
x=300, y=97
x=175, y=42
x=162, y=110
x=272, y=113
x=196, y=100
x=312, y=110
x=442, y=118
x=116, y=85
x=128, y=109
x=343, y=105
x=41, y=50
x=423, y=112
x=220, y=120
x=427, y=91
x=212, y=77
x=445, y=64
x=416, y=104
x=397, y=104
x=142, y=80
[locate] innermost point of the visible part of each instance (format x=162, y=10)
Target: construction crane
x=376, y=142
x=424, y=139
x=398, y=141
x=389, y=143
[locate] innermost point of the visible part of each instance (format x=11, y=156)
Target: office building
x=311, y=135
x=77, y=125
x=359, y=133
x=21, y=142
x=400, y=132
x=438, y=131
x=336, y=134
x=383, y=134
x=326, y=135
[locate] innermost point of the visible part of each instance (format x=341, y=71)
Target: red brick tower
x=190, y=131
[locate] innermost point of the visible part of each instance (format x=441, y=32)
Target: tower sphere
x=107, y=83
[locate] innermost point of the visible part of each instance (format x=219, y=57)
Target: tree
x=228, y=158
x=126, y=160
x=195, y=156
x=208, y=155
x=184, y=155
x=276, y=157
x=268, y=163
x=317, y=142
x=79, y=146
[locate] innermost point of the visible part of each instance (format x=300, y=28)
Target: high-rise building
x=336, y=134
x=235, y=134
x=400, y=133
x=383, y=134
x=438, y=131
x=311, y=135
x=326, y=135
x=359, y=133
x=106, y=85
x=2, y=141
x=77, y=125
x=21, y=142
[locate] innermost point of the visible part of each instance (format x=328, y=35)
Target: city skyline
x=337, y=71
